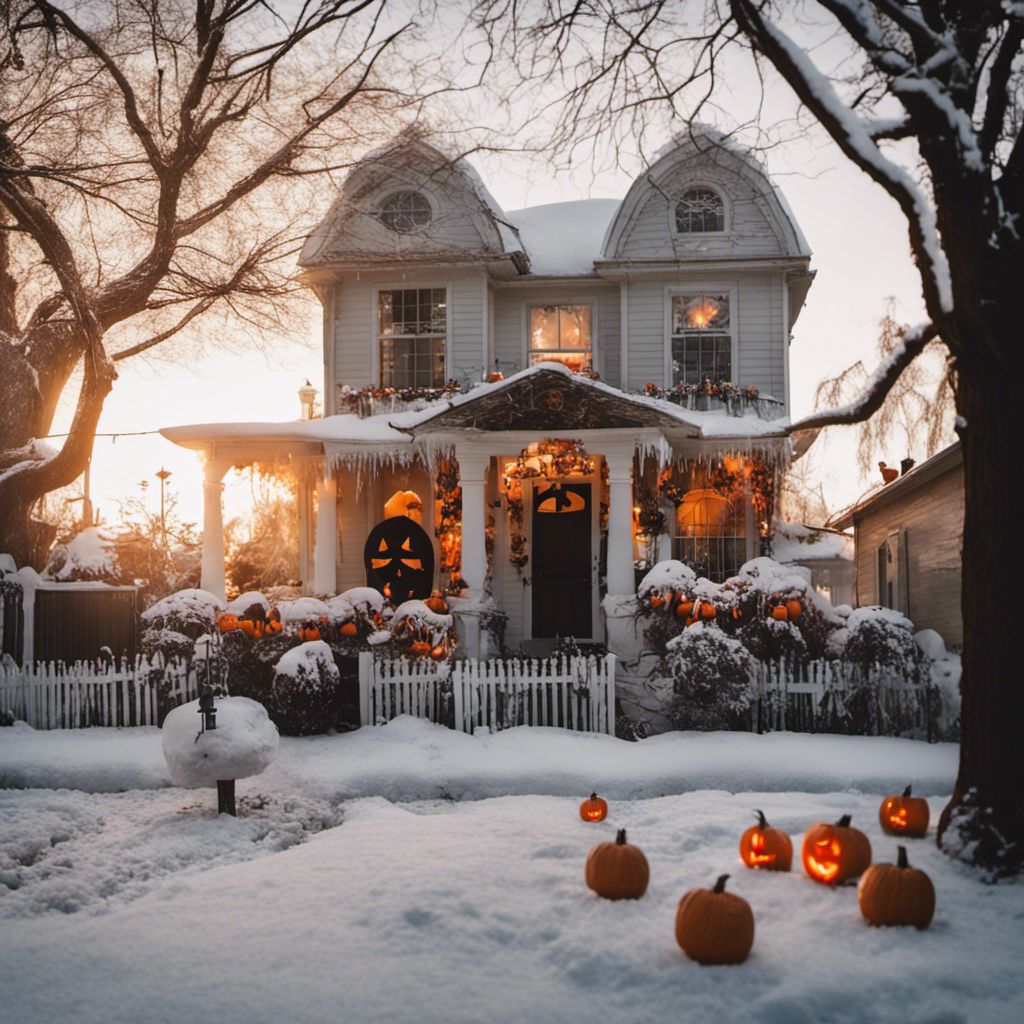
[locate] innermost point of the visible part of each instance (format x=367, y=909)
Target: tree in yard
x=933, y=115
x=156, y=161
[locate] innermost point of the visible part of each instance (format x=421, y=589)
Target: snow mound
x=244, y=602
x=364, y=600
x=666, y=576
x=416, y=612
x=877, y=613
x=312, y=657
x=302, y=609
x=185, y=603
x=88, y=555
x=243, y=744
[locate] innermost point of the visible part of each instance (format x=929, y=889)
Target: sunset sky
x=860, y=252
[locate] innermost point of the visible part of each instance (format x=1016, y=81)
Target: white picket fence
x=575, y=693
x=56, y=695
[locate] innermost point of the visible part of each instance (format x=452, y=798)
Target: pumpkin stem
x=593, y=796
x=901, y=857
x=906, y=792
x=762, y=821
x=620, y=838
x=719, y=886
x=844, y=821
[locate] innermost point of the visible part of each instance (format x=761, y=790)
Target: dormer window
x=403, y=212
x=700, y=210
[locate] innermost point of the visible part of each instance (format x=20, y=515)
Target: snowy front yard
x=349, y=892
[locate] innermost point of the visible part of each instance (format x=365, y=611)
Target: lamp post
x=307, y=399
x=162, y=475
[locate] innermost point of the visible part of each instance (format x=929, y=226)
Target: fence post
x=457, y=697
x=365, y=672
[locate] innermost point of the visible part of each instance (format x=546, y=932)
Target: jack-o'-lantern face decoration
x=399, y=559
x=834, y=853
x=560, y=499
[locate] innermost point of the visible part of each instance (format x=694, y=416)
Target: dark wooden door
x=561, y=556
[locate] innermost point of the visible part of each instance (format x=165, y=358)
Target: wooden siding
x=932, y=517
x=646, y=326
x=509, y=343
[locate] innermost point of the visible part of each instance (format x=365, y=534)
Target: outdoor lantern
x=207, y=709
x=702, y=511
x=307, y=397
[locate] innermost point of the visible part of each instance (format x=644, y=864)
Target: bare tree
x=915, y=419
x=944, y=79
x=154, y=160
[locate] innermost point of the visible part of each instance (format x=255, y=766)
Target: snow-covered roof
x=563, y=239
x=794, y=542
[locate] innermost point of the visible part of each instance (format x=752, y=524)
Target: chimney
x=906, y=465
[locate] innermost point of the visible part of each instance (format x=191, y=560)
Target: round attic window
x=405, y=211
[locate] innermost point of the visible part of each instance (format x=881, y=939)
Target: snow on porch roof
x=564, y=239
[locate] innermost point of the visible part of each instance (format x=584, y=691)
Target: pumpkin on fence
x=348, y=629
x=594, y=808
x=714, y=926
x=617, y=871
x=904, y=815
x=834, y=853
x=896, y=894
x=762, y=846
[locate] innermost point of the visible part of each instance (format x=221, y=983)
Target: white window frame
x=383, y=197
x=375, y=360
x=695, y=288
x=595, y=351
x=677, y=195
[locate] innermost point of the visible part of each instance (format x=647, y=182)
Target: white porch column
x=211, y=577
x=621, y=578
x=326, y=550
x=473, y=481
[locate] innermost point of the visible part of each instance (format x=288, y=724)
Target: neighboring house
x=828, y=554
x=538, y=388
x=907, y=535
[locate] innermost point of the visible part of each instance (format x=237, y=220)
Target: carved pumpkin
x=896, y=894
x=779, y=613
x=348, y=629
x=904, y=815
x=684, y=608
x=764, y=847
x=834, y=853
x=617, y=871
x=437, y=603
x=399, y=559
x=227, y=622
x=708, y=611
x=714, y=926
x=594, y=808
x=793, y=609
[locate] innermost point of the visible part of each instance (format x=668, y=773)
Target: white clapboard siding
x=570, y=693
x=59, y=695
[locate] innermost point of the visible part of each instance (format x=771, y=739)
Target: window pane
x=574, y=326
x=700, y=313
x=544, y=327
x=412, y=325
x=700, y=209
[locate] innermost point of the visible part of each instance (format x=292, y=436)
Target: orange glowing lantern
x=835, y=853
x=594, y=808
x=896, y=894
x=702, y=512
x=904, y=815
x=764, y=847
x=714, y=926
x=617, y=871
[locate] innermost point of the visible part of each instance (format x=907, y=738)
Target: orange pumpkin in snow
x=594, y=808
x=779, y=613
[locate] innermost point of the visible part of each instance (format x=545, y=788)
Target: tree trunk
x=25, y=539
x=984, y=822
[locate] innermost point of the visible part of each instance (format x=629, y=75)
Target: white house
x=554, y=394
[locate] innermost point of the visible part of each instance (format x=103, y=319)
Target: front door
x=561, y=556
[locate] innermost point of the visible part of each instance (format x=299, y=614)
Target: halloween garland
x=448, y=524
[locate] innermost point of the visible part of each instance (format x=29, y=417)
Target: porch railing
x=576, y=693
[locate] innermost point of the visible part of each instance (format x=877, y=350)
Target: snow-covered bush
x=243, y=744
x=174, y=623
x=90, y=554
x=305, y=694
x=881, y=636
x=944, y=671
x=711, y=675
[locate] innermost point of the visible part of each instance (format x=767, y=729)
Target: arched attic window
x=405, y=211
x=700, y=209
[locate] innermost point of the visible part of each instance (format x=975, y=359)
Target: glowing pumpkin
x=714, y=926
x=834, y=853
x=896, y=894
x=793, y=609
x=348, y=629
x=617, y=871
x=779, y=613
x=764, y=847
x=594, y=808
x=904, y=815
x=227, y=623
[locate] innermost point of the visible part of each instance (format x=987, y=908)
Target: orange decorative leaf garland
x=764, y=847
x=834, y=853
x=714, y=926
x=904, y=815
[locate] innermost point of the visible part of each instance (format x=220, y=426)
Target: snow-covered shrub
x=711, y=675
x=174, y=623
x=666, y=577
x=767, y=639
x=305, y=695
x=944, y=671
x=881, y=636
x=90, y=554
x=243, y=744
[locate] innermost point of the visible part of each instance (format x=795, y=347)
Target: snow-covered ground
x=142, y=906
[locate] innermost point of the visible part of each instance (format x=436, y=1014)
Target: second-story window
x=412, y=327
x=701, y=338
x=699, y=210
x=561, y=334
